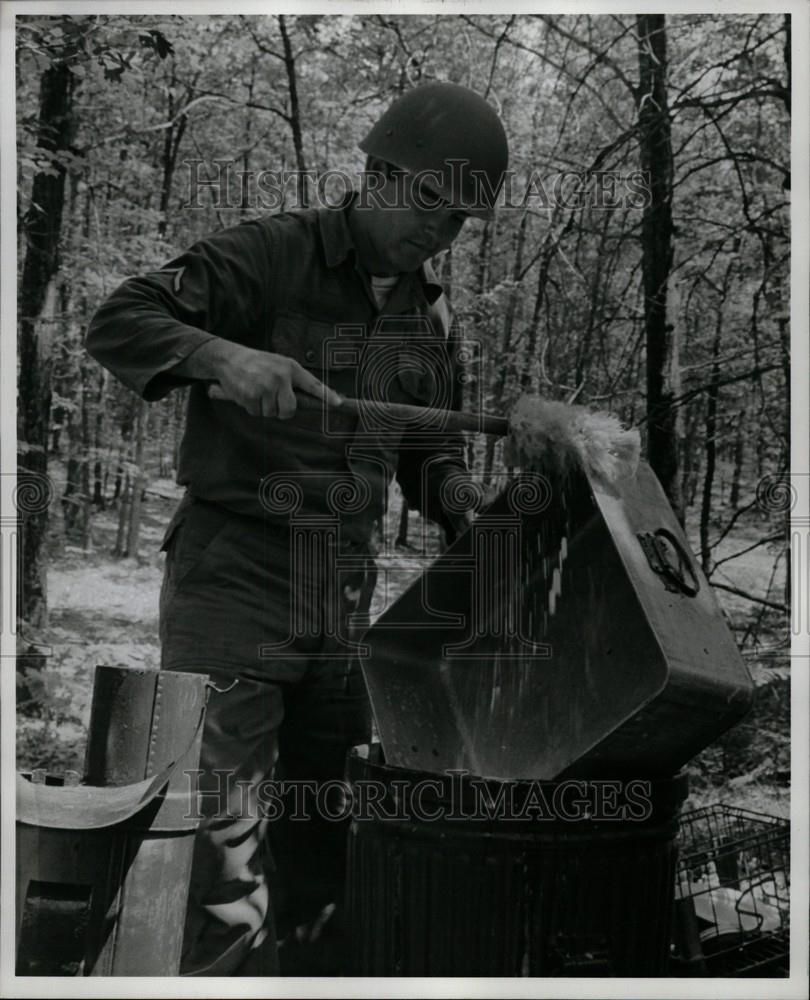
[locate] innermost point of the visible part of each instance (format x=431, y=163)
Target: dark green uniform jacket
x=290, y=284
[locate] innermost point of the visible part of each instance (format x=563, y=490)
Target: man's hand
x=260, y=382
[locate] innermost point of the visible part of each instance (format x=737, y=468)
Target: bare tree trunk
x=295, y=114
x=503, y=366
x=584, y=351
x=689, y=456
x=71, y=492
x=786, y=56
x=41, y=228
x=84, y=479
x=245, y=202
x=119, y=473
x=656, y=249
x=711, y=447
x=75, y=495
x=99, y=470
x=478, y=368
x=739, y=459
x=123, y=479
x=58, y=418
x=120, y=549
x=172, y=138
x=75, y=498
x=531, y=356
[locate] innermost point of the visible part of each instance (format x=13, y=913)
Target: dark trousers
x=273, y=627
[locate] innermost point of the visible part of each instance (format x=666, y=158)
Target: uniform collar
x=338, y=244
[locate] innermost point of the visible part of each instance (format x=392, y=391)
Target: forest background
x=670, y=309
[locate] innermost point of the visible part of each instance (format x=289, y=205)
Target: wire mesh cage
x=732, y=894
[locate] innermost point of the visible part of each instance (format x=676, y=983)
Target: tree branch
x=750, y=597
x=600, y=55
x=763, y=541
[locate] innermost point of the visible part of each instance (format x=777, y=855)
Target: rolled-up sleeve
x=151, y=323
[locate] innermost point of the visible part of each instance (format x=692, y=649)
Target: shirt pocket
x=387, y=369
x=309, y=342
x=333, y=358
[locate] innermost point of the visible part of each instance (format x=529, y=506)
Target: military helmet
x=452, y=132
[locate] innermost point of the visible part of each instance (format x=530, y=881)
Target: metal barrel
x=449, y=875
x=110, y=900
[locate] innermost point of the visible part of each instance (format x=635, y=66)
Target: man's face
x=410, y=222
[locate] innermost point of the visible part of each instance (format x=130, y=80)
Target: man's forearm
x=151, y=330
x=205, y=362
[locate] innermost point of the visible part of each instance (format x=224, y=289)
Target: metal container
x=569, y=631
x=103, y=867
x=451, y=876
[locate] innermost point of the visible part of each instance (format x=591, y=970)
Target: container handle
x=657, y=547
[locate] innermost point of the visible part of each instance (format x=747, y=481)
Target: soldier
x=259, y=318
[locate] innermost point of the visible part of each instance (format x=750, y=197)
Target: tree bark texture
x=656, y=249
x=41, y=225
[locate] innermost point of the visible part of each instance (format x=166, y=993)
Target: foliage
x=551, y=290
x=217, y=87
